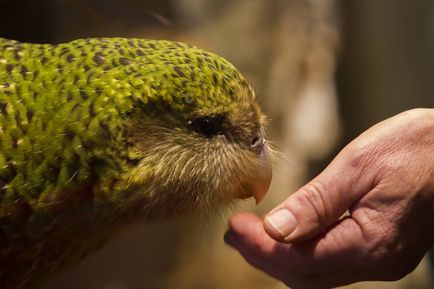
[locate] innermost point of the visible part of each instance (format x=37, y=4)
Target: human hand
x=385, y=180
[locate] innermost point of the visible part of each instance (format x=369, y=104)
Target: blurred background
x=324, y=71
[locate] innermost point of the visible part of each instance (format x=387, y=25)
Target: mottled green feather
x=61, y=103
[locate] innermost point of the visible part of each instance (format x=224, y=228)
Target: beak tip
x=259, y=198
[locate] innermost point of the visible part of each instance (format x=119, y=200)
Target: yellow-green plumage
x=97, y=133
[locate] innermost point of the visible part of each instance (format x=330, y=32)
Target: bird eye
x=208, y=126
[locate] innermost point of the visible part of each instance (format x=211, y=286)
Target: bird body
x=98, y=133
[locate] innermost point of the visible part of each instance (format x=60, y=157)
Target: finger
x=253, y=258
x=340, y=246
x=246, y=230
x=302, y=265
x=322, y=201
x=246, y=235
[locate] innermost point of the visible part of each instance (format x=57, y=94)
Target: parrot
x=100, y=133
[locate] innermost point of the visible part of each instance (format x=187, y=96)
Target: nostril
x=256, y=142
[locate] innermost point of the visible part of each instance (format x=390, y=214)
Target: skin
x=385, y=180
x=96, y=134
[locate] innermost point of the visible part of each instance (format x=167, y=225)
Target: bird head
x=197, y=133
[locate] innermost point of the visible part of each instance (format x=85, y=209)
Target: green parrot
x=96, y=134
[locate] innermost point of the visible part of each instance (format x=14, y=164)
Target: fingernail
x=282, y=221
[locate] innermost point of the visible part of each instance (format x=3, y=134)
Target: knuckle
x=365, y=156
x=312, y=196
x=379, y=242
x=390, y=259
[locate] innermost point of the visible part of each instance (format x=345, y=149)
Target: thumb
x=321, y=202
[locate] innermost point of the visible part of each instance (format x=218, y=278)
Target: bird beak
x=264, y=175
x=260, y=177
